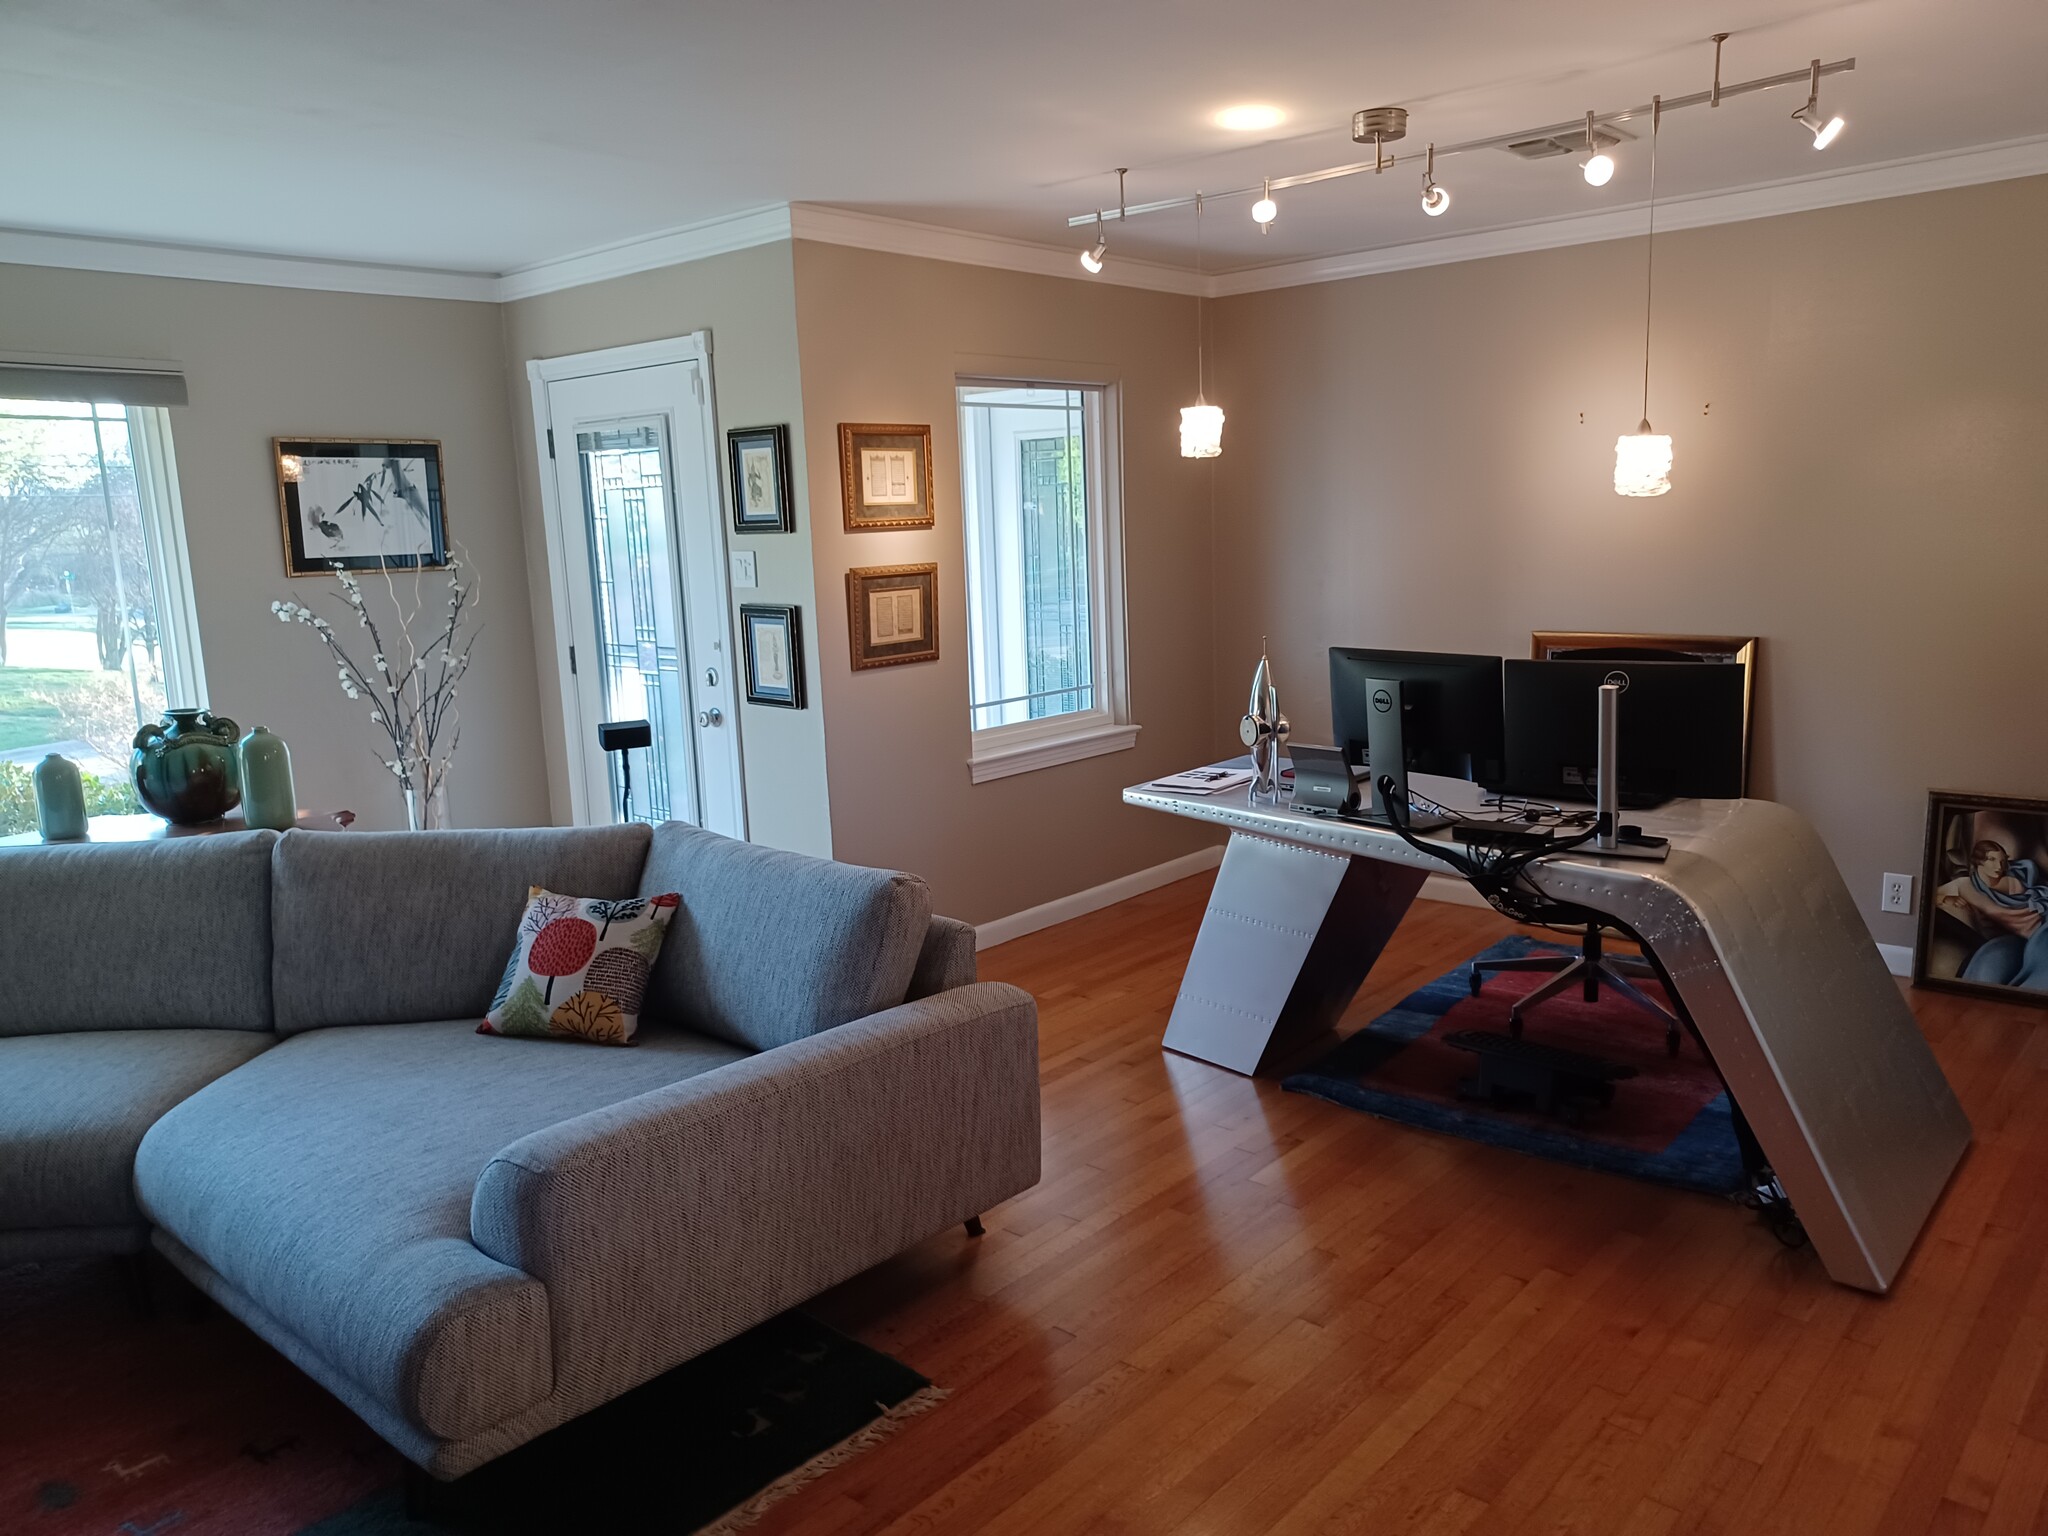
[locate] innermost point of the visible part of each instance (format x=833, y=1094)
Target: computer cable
x=1497, y=876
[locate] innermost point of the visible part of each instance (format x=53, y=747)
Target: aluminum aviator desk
x=1749, y=919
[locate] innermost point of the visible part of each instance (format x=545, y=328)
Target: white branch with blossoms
x=413, y=703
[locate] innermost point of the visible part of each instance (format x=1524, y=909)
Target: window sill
x=999, y=762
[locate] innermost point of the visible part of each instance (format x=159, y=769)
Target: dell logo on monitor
x=1618, y=678
x=1382, y=701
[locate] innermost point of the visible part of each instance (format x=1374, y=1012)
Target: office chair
x=1589, y=966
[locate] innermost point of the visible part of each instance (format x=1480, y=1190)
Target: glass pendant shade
x=1201, y=431
x=1642, y=463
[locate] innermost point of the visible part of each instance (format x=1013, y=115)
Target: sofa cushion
x=386, y=927
x=579, y=968
x=73, y=1109
x=329, y=1182
x=770, y=947
x=166, y=935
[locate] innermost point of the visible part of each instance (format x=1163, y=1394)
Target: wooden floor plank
x=1232, y=1310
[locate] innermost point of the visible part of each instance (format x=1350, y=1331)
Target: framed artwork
x=1581, y=645
x=359, y=505
x=1984, y=898
x=763, y=500
x=885, y=477
x=772, y=641
x=893, y=612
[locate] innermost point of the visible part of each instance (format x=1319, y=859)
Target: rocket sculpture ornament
x=1264, y=729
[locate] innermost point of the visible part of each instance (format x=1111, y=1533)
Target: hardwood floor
x=1232, y=1310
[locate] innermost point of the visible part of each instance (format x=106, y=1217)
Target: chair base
x=1589, y=969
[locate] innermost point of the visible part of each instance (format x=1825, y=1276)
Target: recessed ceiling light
x=1250, y=117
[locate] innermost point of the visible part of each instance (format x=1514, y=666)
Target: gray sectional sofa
x=259, y=1053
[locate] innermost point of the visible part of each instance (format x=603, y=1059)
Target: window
x=95, y=605
x=1045, y=631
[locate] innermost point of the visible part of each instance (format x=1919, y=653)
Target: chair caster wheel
x=1515, y=1025
x=1475, y=981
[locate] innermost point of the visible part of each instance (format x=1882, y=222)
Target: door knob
x=709, y=717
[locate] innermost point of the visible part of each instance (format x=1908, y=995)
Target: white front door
x=637, y=573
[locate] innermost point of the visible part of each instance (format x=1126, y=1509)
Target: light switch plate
x=743, y=568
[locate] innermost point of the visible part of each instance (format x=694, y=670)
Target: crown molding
x=1860, y=184
x=647, y=253
x=141, y=258
x=905, y=237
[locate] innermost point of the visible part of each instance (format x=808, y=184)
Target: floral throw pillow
x=580, y=967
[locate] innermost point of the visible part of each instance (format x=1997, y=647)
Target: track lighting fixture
x=1265, y=210
x=1434, y=198
x=1599, y=166
x=1091, y=259
x=1824, y=130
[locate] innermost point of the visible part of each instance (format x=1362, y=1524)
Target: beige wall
x=1857, y=398
x=264, y=362
x=883, y=338
x=746, y=300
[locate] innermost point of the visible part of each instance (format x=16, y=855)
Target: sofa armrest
x=673, y=1221
x=946, y=961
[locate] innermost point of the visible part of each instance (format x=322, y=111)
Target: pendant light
x=1642, y=459
x=1201, y=424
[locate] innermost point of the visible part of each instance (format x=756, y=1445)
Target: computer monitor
x=1680, y=729
x=1450, y=709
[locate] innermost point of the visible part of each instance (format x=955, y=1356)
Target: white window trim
x=163, y=527
x=1024, y=746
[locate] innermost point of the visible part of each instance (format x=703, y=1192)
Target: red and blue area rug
x=186, y=1424
x=1669, y=1124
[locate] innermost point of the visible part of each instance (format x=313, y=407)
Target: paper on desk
x=1205, y=781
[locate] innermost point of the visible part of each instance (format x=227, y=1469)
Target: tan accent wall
x=746, y=299
x=883, y=339
x=264, y=362
x=1857, y=398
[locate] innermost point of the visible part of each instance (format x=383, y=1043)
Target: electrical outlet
x=1897, y=895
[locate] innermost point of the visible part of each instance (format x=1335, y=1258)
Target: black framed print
x=359, y=505
x=772, y=641
x=763, y=494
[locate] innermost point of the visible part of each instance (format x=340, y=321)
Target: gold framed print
x=885, y=476
x=892, y=612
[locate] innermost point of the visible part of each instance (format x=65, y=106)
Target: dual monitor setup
x=1532, y=729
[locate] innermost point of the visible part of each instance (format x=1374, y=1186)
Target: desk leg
x=1289, y=935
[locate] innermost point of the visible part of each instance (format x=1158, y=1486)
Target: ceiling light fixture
x=1201, y=424
x=1434, y=198
x=1824, y=132
x=1264, y=211
x=1595, y=135
x=1091, y=259
x=1599, y=168
x=1250, y=117
x=1642, y=458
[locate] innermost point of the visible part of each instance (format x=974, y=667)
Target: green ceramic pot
x=60, y=800
x=185, y=769
x=269, y=798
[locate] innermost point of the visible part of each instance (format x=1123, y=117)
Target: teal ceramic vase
x=60, y=800
x=185, y=769
x=269, y=798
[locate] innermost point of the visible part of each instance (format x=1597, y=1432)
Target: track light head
x=1092, y=258
x=1265, y=210
x=1434, y=198
x=1824, y=130
x=1599, y=166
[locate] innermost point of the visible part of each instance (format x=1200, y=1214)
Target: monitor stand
x=1387, y=755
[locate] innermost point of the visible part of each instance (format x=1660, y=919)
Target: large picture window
x=1044, y=574
x=95, y=598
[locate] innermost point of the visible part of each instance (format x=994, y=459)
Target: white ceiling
x=490, y=135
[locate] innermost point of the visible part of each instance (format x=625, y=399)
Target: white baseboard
x=1002, y=929
x=1898, y=958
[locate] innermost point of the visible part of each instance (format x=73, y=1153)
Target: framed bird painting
x=360, y=505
